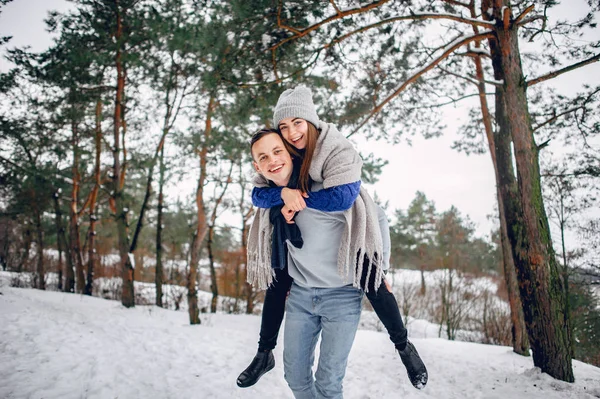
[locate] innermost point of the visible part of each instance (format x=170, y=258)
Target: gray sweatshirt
x=315, y=264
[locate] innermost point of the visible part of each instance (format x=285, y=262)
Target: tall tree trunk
x=213, y=274
x=69, y=285
x=520, y=341
x=60, y=268
x=118, y=200
x=565, y=266
x=24, y=261
x=211, y=234
x=140, y=222
x=93, y=204
x=40, y=277
x=158, y=273
x=540, y=282
x=246, y=215
x=61, y=241
x=423, y=290
x=201, y=227
x=75, y=241
x=4, y=252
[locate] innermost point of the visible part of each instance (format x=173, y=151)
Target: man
x=321, y=302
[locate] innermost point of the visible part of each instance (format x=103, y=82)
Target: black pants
x=383, y=302
x=385, y=306
x=273, y=309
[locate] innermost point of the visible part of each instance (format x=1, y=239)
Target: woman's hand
x=293, y=199
x=288, y=214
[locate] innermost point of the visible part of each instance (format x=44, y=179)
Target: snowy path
x=55, y=345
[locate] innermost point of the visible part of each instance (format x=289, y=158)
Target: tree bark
x=246, y=215
x=520, y=340
x=89, y=286
x=120, y=214
x=423, y=290
x=158, y=273
x=213, y=274
x=24, y=261
x=201, y=226
x=211, y=234
x=540, y=281
x=61, y=243
x=75, y=241
x=69, y=285
x=40, y=277
x=140, y=223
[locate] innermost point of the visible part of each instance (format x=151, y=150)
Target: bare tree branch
x=569, y=68
x=411, y=17
x=529, y=20
x=452, y=101
x=555, y=117
x=450, y=49
x=469, y=78
x=544, y=23
x=298, y=33
x=475, y=54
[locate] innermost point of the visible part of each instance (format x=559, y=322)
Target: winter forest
x=126, y=175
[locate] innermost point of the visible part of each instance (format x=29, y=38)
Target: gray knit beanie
x=296, y=103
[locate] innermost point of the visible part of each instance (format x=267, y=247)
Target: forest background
x=133, y=100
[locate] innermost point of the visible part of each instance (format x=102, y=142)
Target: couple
x=318, y=236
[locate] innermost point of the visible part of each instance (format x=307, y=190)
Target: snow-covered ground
x=56, y=345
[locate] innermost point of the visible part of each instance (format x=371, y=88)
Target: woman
x=331, y=161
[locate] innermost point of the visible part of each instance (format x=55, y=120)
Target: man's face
x=272, y=160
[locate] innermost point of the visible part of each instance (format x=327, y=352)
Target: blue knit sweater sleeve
x=337, y=198
x=266, y=197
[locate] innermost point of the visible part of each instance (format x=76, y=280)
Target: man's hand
x=288, y=214
x=293, y=199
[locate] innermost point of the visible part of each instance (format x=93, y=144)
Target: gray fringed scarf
x=335, y=162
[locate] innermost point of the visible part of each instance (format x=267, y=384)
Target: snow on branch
x=457, y=3
x=449, y=49
x=523, y=14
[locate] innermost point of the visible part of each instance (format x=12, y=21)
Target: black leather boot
x=417, y=373
x=261, y=364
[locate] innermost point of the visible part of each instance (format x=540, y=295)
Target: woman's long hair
x=311, y=144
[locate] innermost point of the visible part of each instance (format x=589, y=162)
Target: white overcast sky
x=445, y=176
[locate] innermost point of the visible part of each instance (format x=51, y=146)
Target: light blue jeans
x=332, y=312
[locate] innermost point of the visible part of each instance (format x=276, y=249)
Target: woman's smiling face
x=294, y=131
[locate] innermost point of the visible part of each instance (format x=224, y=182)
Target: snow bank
x=56, y=345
